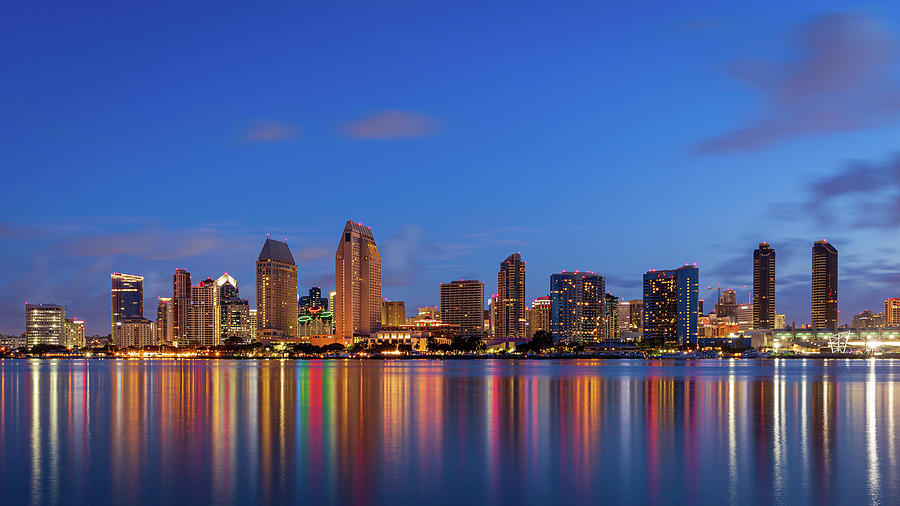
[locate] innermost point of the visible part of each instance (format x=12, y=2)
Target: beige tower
x=276, y=290
x=511, y=287
x=357, y=278
x=204, y=323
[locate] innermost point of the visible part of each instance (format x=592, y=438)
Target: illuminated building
x=611, y=317
x=630, y=314
x=127, y=300
x=44, y=324
x=539, y=316
x=181, y=305
x=743, y=316
x=165, y=325
x=576, y=306
x=74, y=333
x=780, y=321
x=276, y=290
x=393, y=313
x=234, y=317
x=462, y=304
x=204, y=323
x=824, y=286
x=331, y=295
x=316, y=321
x=511, y=288
x=253, y=326
x=136, y=332
x=764, y=287
x=891, y=313
x=868, y=320
x=228, y=287
x=671, y=307
x=357, y=279
x=314, y=299
x=727, y=306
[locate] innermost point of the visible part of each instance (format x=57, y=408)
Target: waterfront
x=427, y=431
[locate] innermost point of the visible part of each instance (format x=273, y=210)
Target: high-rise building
x=764, y=287
x=824, y=286
x=234, y=317
x=462, y=304
x=576, y=306
x=727, y=305
x=204, y=324
x=314, y=299
x=44, y=324
x=743, y=317
x=780, y=322
x=611, y=317
x=891, y=313
x=539, y=316
x=227, y=286
x=127, y=300
x=136, y=332
x=868, y=320
x=357, y=278
x=511, y=288
x=165, y=324
x=393, y=313
x=74, y=333
x=276, y=290
x=181, y=305
x=630, y=314
x=253, y=326
x=671, y=307
x=494, y=310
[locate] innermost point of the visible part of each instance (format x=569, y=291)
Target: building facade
x=204, y=324
x=462, y=304
x=357, y=278
x=136, y=332
x=181, y=305
x=276, y=290
x=671, y=307
x=234, y=318
x=74, y=333
x=165, y=326
x=891, y=314
x=539, y=316
x=127, y=300
x=823, y=303
x=576, y=306
x=45, y=324
x=611, y=317
x=393, y=313
x=511, y=290
x=764, y=287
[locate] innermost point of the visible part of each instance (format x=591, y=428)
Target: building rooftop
x=276, y=250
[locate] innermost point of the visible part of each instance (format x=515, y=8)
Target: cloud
x=391, y=125
x=840, y=79
x=150, y=244
x=269, y=131
x=861, y=194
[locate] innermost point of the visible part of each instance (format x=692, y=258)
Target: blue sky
x=588, y=136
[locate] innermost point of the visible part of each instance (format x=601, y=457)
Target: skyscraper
x=74, y=333
x=276, y=290
x=539, y=316
x=727, y=305
x=824, y=286
x=357, y=279
x=234, y=312
x=127, y=300
x=165, y=326
x=393, y=313
x=204, y=325
x=764, y=287
x=136, y=332
x=671, y=306
x=228, y=287
x=610, y=317
x=44, y=324
x=462, y=304
x=181, y=305
x=576, y=306
x=892, y=312
x=511, y=288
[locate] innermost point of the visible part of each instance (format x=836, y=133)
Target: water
x=454, y=432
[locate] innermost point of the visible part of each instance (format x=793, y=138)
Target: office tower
x=671, y=307
x=357, y=278
x=393, y=313
x=743, y=316
x=462, y=304
x=228, y=287
x=764, y=287
x=44, y=324
x=727, y=306
x=276, y=290
x=204, y=322
x=868, y=320
x=314, y=299
x=127, y=297
x=137, y=333
x=824, y=286
x=511, y=288
x=253, y=326
x=539, y=316
x=576, y=306
x=630, y=315
x=611, y=317
x=165, y=325
x=74, y=335
x=181, y=305
x=891, y=313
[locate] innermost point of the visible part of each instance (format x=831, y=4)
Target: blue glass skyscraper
x=671, y=306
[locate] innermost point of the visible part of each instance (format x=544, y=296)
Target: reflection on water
x=453, y=432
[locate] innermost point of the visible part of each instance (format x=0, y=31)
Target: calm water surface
x=427, y=432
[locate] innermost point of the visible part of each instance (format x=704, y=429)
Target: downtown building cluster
x=577, y=309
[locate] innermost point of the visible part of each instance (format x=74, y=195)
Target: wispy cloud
x=269, y=131
x=388, y=125
x=841, y=78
